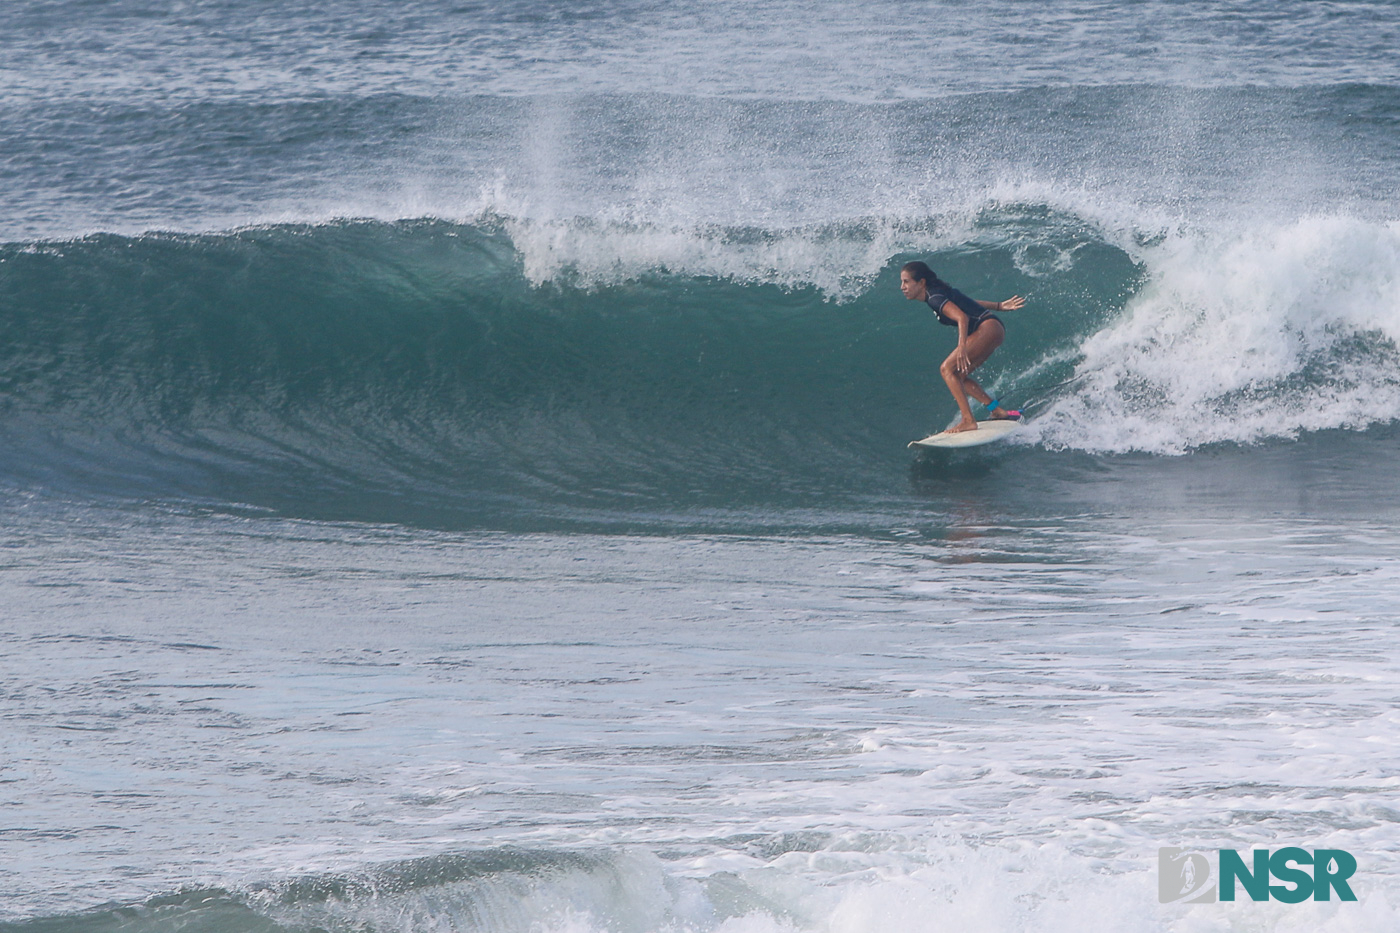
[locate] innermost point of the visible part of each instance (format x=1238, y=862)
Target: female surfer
x=979, y=333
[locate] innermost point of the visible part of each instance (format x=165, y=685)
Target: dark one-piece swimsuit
x=939, y=293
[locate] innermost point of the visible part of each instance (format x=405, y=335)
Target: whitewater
x=453, y=470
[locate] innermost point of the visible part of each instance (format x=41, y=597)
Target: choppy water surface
x=670, y=730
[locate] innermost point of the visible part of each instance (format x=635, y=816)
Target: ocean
x=453, y=467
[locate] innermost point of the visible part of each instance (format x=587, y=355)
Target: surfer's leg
x=980, y=344
x=982, y=395
x=954, y=379
x=973, y=390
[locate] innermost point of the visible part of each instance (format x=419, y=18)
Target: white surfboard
x=986, y=433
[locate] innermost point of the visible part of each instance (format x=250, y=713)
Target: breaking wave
x=507, y=364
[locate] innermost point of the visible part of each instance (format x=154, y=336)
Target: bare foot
x=962, y=426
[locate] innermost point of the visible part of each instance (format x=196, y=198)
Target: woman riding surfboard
x=979, y=333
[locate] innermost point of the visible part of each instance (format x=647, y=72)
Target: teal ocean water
x=454, y=474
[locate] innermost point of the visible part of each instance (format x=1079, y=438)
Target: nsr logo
x=1183, y=875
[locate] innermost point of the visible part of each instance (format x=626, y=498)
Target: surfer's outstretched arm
x=1014, y=303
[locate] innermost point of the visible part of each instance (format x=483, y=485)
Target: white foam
x=838, y=265
x=934, y=887
x=840, y=254
x=1243, y=336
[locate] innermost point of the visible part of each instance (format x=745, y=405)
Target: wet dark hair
x=919, y=271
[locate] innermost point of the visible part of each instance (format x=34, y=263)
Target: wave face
x=292, y=366
x=509, y=259
x=481, y=367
